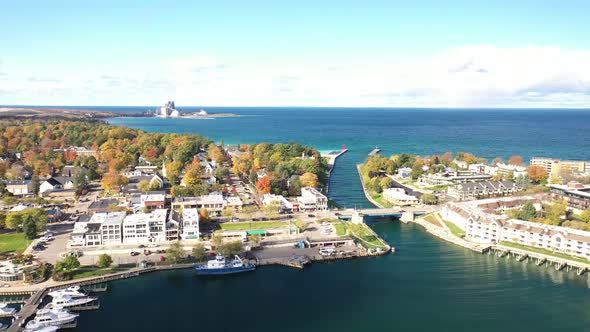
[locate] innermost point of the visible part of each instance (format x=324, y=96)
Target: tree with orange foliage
x=537, y=173
x=447, y=157
x=263, y=185
x=516, y=161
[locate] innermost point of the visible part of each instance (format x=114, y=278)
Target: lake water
x=427, y=285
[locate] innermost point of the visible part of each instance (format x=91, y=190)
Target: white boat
x=68, y=301
x=44, y=329
x=51, y=317
x=73, y=291
x=5, y=310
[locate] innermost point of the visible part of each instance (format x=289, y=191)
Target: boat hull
x=225, y=270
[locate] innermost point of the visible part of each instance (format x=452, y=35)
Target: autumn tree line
x=117, y=148
x=376, y=166
x=287, y=167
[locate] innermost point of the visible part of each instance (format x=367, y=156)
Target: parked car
x=134, y=253
x=152, y=245
x=141, y=246
x=310, y=215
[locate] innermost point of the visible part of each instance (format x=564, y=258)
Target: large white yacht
x=44, y=329
x=51, y=317
x=68, y=301
x=5, y=310
x=73, y=291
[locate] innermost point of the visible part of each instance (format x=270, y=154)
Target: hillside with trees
x=281, y=168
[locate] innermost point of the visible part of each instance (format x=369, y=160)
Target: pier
x=541, y=259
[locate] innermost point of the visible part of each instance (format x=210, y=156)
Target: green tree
x=2, y=220
x=272, y=210
x=585, y=215
x=232, y=248
x=104, y=261
x=199, y=252
x=70, y=263
x=301, y=225
x=217, y=241
x=416, y=172
x=29, y=227
x=228, y=212
x=429, y=199
x=80, y=182
x=386, y=182
x=554, y=212
x=527, y=212
x=255, y=240
x=175, y=253
x=143, y=185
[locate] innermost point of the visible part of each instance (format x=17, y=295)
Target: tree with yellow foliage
x=309, y=180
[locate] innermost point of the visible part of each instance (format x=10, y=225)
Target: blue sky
x=316, y=53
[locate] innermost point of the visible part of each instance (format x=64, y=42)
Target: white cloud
x=475, y=76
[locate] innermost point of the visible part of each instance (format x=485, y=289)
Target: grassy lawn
x=544, y=251
x=454, y=228
x=246, y=226
x=366, y=236
x=91, y=271
x=13, y=242
x=379, y=198
x=341, y=228
x=432, y=219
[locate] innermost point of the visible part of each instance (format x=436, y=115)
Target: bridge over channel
x=405, y=213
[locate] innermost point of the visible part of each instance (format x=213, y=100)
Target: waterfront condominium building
x=484, y=227
x=471, y=191
x=145, y=227
x=99, y=229
x=190, y=224
x=555, y=167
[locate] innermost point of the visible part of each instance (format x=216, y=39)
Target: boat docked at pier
x=51, y=317
x=68, y=302
x=72, y=291
x=219, y=266
x=6, y=311
x=44, y=329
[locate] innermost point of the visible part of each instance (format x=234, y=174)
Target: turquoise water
x=427, y=285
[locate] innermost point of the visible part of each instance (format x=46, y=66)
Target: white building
x=483, y=226
x=20, y=187
x=398, y=196
x=190, y=224
x=145, y=227
x=214, y=203
x=269, y=199
x=102, y=228
x=312, y=199
x=56, y=184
